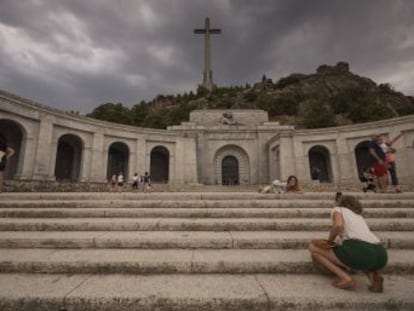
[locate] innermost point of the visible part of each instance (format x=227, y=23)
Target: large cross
x=208, y=73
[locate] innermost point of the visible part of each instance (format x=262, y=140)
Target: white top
x=355, y=226
x=384, y=147
x=120, y=178
x=135, y=178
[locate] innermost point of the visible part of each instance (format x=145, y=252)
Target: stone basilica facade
x=216, y=147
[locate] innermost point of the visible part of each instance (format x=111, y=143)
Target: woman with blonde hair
x=357, y=247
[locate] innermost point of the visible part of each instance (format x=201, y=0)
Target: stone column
x=26, y=160
x=347, y=168
x=86, y=163
x=141, y=161
x=132, y=165
x=98, y=163
x=44, y=151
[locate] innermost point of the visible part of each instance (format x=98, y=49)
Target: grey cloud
x=126, y=51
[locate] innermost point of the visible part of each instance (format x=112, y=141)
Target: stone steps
x=217, y=212
x=183, y=196
x=189, y=251
x=177, y=204
x=163, y=261
x=190, y=224
x=211, y=292
x=182, y=239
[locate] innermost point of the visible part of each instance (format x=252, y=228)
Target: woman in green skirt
x=357, y=247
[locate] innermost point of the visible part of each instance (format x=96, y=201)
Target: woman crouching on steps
x=360, y=248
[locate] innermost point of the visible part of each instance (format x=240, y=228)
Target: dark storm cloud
x=76, y=55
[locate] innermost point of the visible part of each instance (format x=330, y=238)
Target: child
x=368, y=180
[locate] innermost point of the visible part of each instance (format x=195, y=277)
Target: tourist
x=315, y=174
x=292, y=184
x=120, y=181
x=112, y=183
x=147, y=182
x=135, y=182
x=356, y=247
x=368, y=176
x=390, y=159
x=6, y=153
x=380, y=166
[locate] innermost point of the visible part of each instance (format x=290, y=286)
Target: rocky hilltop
x=331, y=96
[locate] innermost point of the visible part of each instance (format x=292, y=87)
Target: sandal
x=377, y=285
x=345, y=284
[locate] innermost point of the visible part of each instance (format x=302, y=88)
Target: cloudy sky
x=78, y=54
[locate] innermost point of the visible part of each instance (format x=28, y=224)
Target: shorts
x=361, y=255
x=3, y=165
x=120, y=184
x=380, y=169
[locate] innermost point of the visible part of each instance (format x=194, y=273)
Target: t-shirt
x=373, y=144
x=120, y=179
x=135, y=178
x=386, y=147
x=355, y=226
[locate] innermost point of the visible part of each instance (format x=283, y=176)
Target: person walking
x=112, y=183
x=120, y=181
x=147, y=182
x=135, y=182
x=356, y=247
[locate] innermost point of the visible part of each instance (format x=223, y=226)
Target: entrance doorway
x=230, y=171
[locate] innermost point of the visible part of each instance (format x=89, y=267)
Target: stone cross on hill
x=208, y=73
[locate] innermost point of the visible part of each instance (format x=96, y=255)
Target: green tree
x=112, y=112
x=139, y=112
x=318, y=115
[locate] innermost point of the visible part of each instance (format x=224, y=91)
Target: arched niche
x=14, y=133
x=160, y=164
x=319, y=157
x=118, y=160
x=68, y=158
x=362, y=156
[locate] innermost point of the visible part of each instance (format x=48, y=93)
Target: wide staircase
x=189, y=251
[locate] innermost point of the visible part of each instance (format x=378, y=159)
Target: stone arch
x=231, y=153
x=14, y=133
x=319, y=156
x=160, y=164
x=362, y=156
x=118, y=160
x=68, y=158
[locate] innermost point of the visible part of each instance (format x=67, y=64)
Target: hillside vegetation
x=329, y=97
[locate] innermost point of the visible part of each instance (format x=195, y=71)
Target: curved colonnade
x=53, y=145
